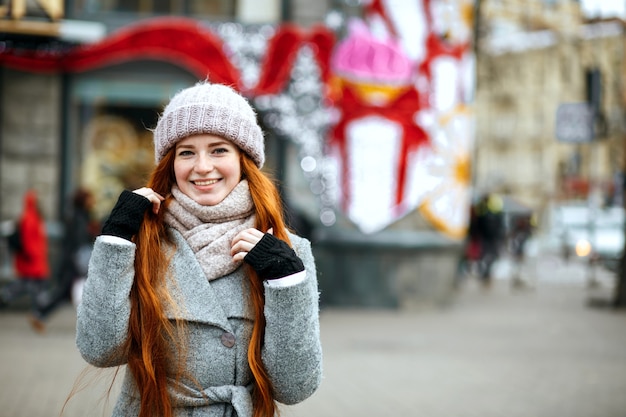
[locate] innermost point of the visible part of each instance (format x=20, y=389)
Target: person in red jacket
x=31, y=261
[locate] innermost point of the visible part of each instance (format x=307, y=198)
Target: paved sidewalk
x=498, y=353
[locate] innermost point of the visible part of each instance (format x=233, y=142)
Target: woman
x=31, y=262
x=79, y=234
x=194, y=283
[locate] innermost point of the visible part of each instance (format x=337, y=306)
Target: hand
x=270, y=257
x=152, y=196
x=245, y=241
x=128, y=213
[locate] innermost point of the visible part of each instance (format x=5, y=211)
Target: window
x=198, y=8
x=212, y=8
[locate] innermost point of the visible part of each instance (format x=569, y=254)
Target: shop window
x=117, y=153
x=212, y=8
x=196, y=8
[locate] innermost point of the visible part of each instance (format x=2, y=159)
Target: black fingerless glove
x=272, y=258
x=127, y=215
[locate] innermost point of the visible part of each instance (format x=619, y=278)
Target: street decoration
x=382, y=117
x=402, y=81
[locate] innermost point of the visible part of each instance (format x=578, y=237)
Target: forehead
x=205, y=139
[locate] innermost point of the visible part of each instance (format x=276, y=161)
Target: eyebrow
x=211, y=145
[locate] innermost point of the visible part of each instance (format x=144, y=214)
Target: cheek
x=237, y=173
x=181, y=171
x=235, y=170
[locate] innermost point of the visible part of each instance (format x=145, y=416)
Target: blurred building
x=70, y=119
x=536, y=58
x=85, y=120
x=63, y=127
x=82, y=82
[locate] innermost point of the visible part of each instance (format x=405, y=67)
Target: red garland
x=179, y=41
x=184, y=42
x=376, y=7
x=277, y=65
x=281, y=54
x=436, y=48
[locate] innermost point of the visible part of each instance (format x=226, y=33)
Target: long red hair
x=150, y=333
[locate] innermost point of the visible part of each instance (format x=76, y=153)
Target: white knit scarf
x=209, y=230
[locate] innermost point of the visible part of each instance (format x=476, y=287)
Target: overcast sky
x=604, y=8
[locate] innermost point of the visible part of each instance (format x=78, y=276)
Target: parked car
x=596, y=235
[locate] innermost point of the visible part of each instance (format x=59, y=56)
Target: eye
x=220, y=150
x=185, y=152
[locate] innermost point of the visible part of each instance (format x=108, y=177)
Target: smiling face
x=207, y=168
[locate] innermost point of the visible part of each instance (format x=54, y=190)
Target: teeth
x=207, y=182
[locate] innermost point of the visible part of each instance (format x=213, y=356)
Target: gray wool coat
x=218, y=331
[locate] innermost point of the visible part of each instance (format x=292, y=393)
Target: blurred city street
x=412, y=142
x=552, y=350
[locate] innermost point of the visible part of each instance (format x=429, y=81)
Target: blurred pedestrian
x=472, y=251
x=31, y=261
x=194, y=283
x=490, y=232
x=521, y=230
x=80, y=231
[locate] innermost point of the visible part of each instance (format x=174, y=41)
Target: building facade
x=84, y=120
x=535, y=57
x=64, y=129
x=64, y=125
x=54, y=123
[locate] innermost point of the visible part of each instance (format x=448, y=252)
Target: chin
x=209, y=201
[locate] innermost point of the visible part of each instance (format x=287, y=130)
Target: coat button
x=228, y=340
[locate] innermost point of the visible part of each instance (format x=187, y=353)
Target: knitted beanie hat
x=209, y=108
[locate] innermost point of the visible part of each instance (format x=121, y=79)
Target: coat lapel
x=193, y=295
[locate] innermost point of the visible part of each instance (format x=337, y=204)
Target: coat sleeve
x=31, y=237
x=292, y=352
x=102, y=315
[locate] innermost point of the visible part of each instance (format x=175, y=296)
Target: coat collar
x=195, y=297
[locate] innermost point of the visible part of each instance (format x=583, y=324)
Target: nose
x=203, y=163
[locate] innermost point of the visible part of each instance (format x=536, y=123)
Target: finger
x=156, y=202
x=241, y=246
x=249, y=235
x=244, y=242
x=144, y=191
x=239, y=256
x=148, y=193
x=152, y=196
x=254, y=233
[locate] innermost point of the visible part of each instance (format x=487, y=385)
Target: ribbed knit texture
x=127, y=215
x=272, y=258
x=210, y=230
x=214, y=109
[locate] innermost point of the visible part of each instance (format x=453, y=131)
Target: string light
x=298, y=113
